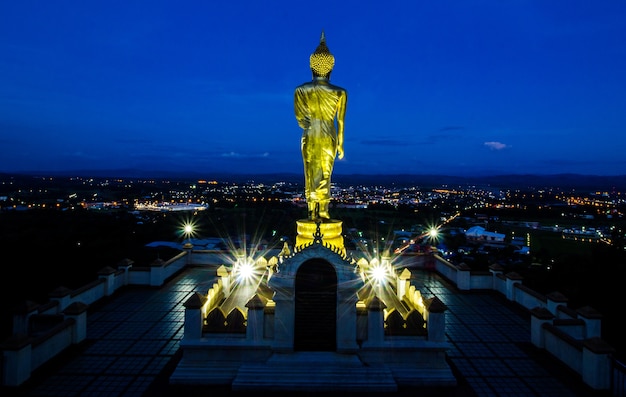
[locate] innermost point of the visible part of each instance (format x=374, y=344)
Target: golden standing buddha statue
x=320, y=109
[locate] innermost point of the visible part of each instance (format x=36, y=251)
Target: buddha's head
x=322, y=61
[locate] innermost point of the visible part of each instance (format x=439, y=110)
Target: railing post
x=224, y=274
x=255, y=322
x=375, y=323
x=193, y=316
x=512, y=279
x=597, y=364
x=78, y=311
x=463, y=277
x=125, y=265
x=21, y=316
x=593, y=321
x=436, y=319
x=61, y=296
x=554, y=300
x=538, y=317
x=108, y=274
x=404, y=281
x=17, y=357
x=156, y=272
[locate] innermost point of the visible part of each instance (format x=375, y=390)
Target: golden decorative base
x=330, y=230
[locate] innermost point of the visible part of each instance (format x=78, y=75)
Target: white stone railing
x=23, y=352
x=573, y=337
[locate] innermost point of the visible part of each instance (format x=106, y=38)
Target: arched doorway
x=315, y=307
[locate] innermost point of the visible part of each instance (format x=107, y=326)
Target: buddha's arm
x=341, y=113
x=301, y=110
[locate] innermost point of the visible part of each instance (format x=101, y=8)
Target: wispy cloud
x=496, y=145
x=451, y=128
x=383, y=142
x=235, y=155
x=443, y=134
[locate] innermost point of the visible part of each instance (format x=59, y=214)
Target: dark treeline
x=505, y=181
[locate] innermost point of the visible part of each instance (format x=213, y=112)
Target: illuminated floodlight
x=379, y=274
x=432, y=233
x=245, y=271
x=188, y=231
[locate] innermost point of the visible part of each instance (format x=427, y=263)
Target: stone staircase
x=314, y=372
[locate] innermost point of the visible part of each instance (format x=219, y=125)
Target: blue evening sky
x=434, y=87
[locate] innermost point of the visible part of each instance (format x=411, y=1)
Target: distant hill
x=508, y=181
x=563, y=181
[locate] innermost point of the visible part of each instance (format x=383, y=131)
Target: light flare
x=379, y=274
x=245, y=272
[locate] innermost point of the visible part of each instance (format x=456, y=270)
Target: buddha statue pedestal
x=323, y=231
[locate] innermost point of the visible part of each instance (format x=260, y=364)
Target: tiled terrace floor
x=133, y=340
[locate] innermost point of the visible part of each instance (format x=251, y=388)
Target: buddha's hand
x=340, y=152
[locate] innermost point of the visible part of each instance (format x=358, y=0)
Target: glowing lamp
x=378, y=274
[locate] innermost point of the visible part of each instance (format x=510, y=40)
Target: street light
x=188, y=231
x=433, y=233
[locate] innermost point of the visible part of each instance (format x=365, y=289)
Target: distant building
x=583, y=234
x=167, y=207
x=480, y=235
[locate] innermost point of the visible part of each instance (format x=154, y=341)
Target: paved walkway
x=133, y=341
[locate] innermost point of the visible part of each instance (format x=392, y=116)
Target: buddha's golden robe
x=320, y=110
